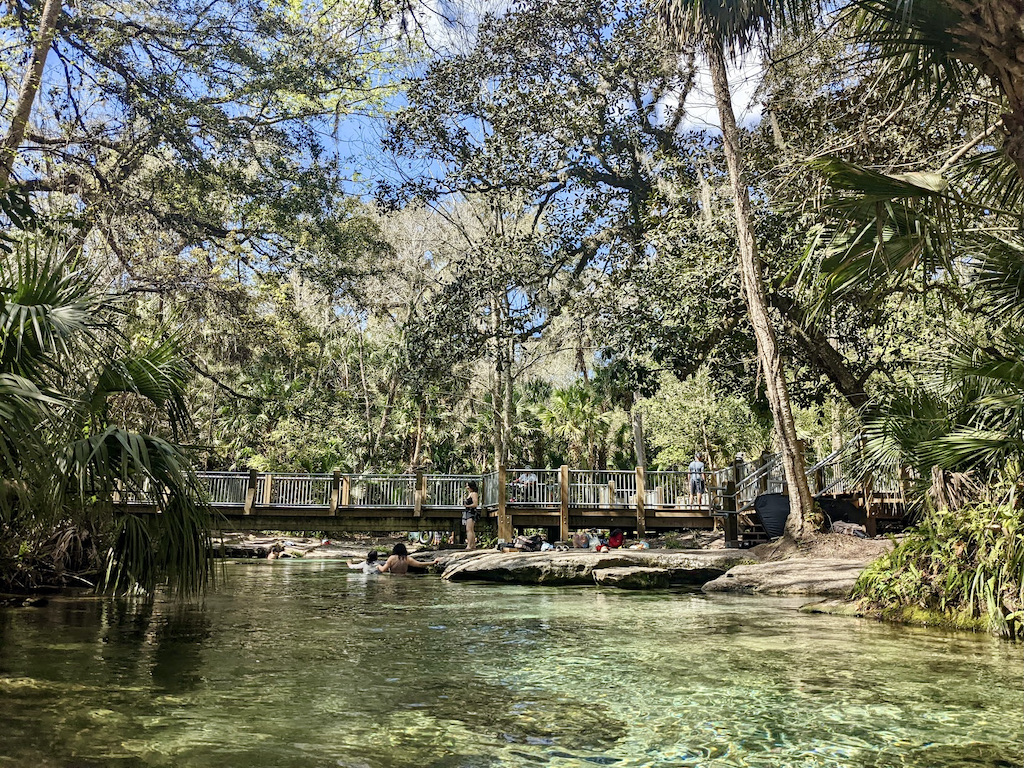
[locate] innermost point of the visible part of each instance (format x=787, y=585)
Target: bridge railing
x=666, y=489
x=489, y=490
x=224, y=488
x=382, y=490
x=448, y=491
x=533, y=487
x=299, y=490
x=602, y=488
x=839, y=472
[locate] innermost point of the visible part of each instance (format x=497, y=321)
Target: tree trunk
x=497, y=398
x=638, y=435
x=508, y=384
x=991, y=37
x=752, y=280
x=29, y=88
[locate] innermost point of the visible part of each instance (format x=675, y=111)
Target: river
x=307, y=664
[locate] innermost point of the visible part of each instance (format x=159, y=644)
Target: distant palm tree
x=721, y=28
x=575, y=415
x=70, y=388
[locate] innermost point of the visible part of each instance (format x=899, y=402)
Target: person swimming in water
x=369, y=565
x=399, y=563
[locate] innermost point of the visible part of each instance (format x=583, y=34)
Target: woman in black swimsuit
x=470, y=508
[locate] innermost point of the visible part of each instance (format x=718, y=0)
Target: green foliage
x=696, y=415
x=962, y=565
x=74, y=391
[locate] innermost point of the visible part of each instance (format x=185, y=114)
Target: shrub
x=963, y=567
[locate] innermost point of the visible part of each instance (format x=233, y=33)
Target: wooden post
x=563, y=488
x=819, y=480
x=418, y=493
x=346, y=491
x=762, y=483
x=268, y=482
x=641, y=513
x=732, y=517
x=504, y=518
x=335, y=491
x=737, y=478
x=250, y=491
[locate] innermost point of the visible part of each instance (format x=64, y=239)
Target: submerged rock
x=578, y=566
x=824, y=577
x=633, y=577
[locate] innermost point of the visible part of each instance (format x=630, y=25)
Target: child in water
x=369, y=565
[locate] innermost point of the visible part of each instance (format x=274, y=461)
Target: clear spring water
x=308, y=664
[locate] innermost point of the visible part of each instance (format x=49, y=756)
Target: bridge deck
x=388, y=519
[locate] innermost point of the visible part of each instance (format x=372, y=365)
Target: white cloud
x=702, y=112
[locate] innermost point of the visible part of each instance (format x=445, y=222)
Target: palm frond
x=997, y=268
x=914, y=42
x=50, y=305
x=738, y=24
x=175, y=542
x=158, y=374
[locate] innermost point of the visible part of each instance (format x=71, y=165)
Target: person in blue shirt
x=697, y=486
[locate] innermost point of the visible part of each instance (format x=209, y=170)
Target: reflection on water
x=308, y=664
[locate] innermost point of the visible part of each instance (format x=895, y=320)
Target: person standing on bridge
x=697, y=486
x=471, y=508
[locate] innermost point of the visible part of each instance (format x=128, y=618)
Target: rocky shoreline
x=826, y=568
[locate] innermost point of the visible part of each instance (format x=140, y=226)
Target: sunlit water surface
x=308, y=664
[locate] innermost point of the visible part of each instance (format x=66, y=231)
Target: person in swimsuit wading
x=399, y=563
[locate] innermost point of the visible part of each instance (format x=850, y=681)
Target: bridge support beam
x=335, y=492
x=732, y=517
x=250, y=491
x=419, y=491
x=268, y=484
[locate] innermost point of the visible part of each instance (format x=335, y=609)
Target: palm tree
x=731, y=27
x=575, y=415
x=959, y=222
x=71, y=389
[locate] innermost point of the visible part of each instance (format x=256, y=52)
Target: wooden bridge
x=560, y=500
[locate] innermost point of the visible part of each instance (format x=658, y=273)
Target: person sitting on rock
x=399, y=563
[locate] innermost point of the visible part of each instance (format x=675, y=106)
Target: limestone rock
x=577, y=567
x=633, y=577
x=827, y=578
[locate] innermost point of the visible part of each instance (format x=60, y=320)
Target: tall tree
x=30, y=82
x=733, y=27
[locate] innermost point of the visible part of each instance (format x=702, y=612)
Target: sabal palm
x=960, y=221
x=62, y=454
x=575, y=415
x=732, y=27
